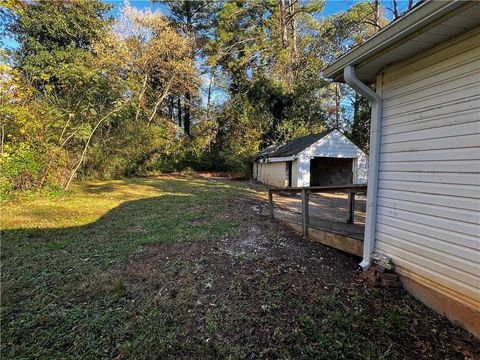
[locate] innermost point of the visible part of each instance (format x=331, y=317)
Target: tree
x=54, y=34
x=261, y=52
x=359, y=131
x=193, y=20
x=396, y=11
x=154, y=61
x=88, y=83
x=54, y=64
x=336, y=35
x=88, y=95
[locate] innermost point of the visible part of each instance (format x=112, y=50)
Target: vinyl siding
x=428, y=205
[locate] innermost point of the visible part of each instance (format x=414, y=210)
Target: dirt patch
x=268, y=293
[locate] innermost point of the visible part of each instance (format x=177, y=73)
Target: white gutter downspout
x=373, y=161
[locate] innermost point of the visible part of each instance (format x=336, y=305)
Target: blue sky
x=331, y=7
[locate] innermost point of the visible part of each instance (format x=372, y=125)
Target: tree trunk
x=294, y=53
x=286, y=71
x=159, y=101
x=179, y=111
x=293, y=28
x=356, y=108
x=171, y=105
x=209, y=95
x=186, y=118
x=3, y=138
x=140, y=96
x=377, y=13
x=283, y=23
x=188, y=96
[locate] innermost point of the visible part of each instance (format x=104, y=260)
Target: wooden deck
x=328, y=214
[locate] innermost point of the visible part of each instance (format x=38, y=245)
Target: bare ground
x=268, y=293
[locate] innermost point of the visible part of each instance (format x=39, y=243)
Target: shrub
x=28, y=166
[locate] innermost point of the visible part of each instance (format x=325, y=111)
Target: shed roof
x=292, y=147
x=429, y=24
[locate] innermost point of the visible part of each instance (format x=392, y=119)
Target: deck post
x=305, y=215
x=270, y=202
x=351, y=208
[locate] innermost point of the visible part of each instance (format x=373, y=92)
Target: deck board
x=327, y=212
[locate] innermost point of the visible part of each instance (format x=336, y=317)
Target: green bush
x=26, y=167
x=21, y=168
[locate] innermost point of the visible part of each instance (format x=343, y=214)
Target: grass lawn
x=185, y=268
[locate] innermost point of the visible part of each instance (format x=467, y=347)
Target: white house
x=423, y=207
x=328, y=158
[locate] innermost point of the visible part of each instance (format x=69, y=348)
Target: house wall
x=428, y=211
x=274, y=173
x=336, y=145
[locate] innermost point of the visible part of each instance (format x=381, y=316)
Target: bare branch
x=84, y=152
x=160, y=100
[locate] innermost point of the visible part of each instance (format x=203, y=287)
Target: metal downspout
x=373, y=161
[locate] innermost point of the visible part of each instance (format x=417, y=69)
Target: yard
x=178, y=267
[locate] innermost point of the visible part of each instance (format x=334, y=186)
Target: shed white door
x=428, y=213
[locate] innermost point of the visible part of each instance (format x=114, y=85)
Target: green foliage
x=360, y=129
x=271, y=55
x=20, y=169
x=96, y=95
x=55, y=39
x=93, y=96
x=31, y=166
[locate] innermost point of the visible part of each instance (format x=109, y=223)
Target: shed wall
x=428, y=211
x=334, y=145
x=294, y=173
x=274, y=174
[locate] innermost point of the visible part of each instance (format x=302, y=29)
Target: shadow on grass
x=166, y=218
x=64, y=294
x=169, y=217
x=54, y=279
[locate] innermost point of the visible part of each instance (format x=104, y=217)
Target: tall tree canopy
x=204, y=85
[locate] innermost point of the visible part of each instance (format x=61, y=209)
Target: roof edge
x=293, y=155
x=418, y=18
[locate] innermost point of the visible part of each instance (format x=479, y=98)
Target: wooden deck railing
x=351, y=190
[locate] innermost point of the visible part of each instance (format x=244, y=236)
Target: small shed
x=423, y=201
x=324, y=159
